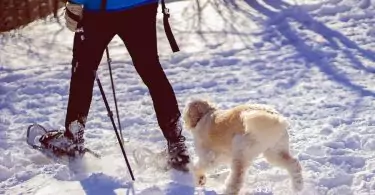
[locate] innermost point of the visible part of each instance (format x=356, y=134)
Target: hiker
x=95, y=23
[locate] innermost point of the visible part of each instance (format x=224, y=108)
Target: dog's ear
x=194, y=111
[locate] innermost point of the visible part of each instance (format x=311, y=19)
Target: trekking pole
x=114, y=92
x=110, y=114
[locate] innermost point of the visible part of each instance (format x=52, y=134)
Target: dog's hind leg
x=244, y=150
x=279, y=155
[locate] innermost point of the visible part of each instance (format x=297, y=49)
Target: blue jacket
x=112, y=5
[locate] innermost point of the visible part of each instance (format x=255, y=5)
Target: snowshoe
x=146, y=158
x=45, y=141
x=159, y=160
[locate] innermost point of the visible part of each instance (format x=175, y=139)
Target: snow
x=313, y=60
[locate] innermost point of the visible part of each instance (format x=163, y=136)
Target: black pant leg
x=139, y=36
x=88, y=49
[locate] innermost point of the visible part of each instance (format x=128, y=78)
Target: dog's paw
x=202, y=180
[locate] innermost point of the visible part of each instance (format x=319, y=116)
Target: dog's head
x=195, y=110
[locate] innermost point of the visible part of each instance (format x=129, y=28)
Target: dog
x=236, y=136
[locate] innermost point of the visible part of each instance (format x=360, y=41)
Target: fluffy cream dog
x=237, y=136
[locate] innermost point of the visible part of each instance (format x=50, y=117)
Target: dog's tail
x=264, y=125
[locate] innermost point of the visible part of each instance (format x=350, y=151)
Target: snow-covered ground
x=313, y=60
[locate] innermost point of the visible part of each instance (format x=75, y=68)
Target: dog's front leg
x=205, y=161
x=199, y=170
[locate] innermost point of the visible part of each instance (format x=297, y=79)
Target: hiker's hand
x=73, y=14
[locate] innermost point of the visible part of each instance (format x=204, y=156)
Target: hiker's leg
x=139, y=36
x=87, y=51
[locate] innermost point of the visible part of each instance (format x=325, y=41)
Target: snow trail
x=313, y=60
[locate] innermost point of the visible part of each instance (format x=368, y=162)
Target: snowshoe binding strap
x=47, y=138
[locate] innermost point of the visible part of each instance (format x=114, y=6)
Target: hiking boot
x=75, y=133
x=60, y=143
x=178, y=154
